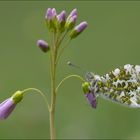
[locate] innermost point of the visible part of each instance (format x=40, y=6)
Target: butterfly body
x=121, y=85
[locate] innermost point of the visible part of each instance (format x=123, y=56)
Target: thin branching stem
x=40, y=92
x=62, y=50
x=68, y=77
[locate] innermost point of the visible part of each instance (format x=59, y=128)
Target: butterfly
x=122, y=85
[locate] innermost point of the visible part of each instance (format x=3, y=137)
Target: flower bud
x=73, y=13
x=7, y=106
x=54, y=14
x=78, y=29
x=43, y=45
x=61, y=20
x=48, y=15
x=51, y=19
x=71, y=22
x=61, y=17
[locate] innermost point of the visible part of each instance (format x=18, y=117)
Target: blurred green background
x=112, y=39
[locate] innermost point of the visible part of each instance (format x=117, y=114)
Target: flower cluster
x=121, y=85
x=61, y=24
x=62, y=29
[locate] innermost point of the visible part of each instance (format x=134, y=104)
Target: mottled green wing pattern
x=121, y=85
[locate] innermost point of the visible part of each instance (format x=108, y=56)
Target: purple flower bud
x=54, y=13
x=6, y=108
x=71, y=22
x=61, y=17
x=73, y=19
x=50, y=14
x=51, y=19
x=61, y=20
x=73, y=13
x=78, y=29
x=43, y=45
x=91, y=99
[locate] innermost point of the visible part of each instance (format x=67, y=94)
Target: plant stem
x=54, y=51
x=52, y=109
x=40, y=92
x=62, y=50
x=69, y=76
x=53, y=93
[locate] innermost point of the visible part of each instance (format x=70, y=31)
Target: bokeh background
x=112, y=39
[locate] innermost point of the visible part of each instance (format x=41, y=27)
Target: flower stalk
x=59, y=27
x=53, y=93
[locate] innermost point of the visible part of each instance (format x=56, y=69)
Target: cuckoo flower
x=71, y=19
x=50, y=14
x=60, y=27
x=51, y=19
x=43, y=45
x=7, y=106
x=62, y=16
x=78, y=29
x=54, y=14
x=61, y=19
x=73, y=13
x=71, y=22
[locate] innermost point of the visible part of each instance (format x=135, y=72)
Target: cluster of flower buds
x=60, y=23
x=7, y=106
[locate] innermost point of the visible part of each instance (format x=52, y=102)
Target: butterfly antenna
x=73, y=65
x=69, y=63
x=88, y=74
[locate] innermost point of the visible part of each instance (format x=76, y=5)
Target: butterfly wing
x=122, y=85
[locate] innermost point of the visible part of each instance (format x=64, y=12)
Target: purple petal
x=91, y=99
x=79, y=28
x=6, y=108
x=4, y=102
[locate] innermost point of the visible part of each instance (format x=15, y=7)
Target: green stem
x=40, y=92
x=53, y=94
x=62, y=50
x=61, y=39
x=66, y=78
x=53, y=56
